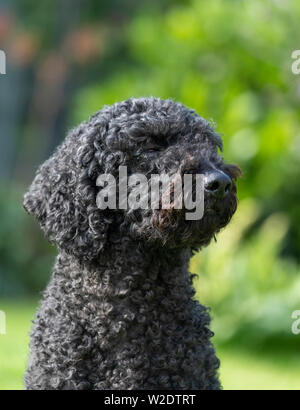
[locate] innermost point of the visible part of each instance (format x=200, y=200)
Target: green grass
x=250, y=370
x=14, y=344
x=240, y=369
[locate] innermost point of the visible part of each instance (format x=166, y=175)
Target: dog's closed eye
x=152, y=150
x=148, y=149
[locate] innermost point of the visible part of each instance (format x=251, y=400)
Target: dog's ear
x=63, y=197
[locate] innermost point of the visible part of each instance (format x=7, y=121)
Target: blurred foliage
x=25, y=259
x=251, y=289
x=231, y=61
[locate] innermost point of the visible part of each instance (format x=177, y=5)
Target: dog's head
x=123, y=148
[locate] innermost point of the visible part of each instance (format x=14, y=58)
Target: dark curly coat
x=119, y=311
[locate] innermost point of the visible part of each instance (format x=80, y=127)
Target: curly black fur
x=119, y=311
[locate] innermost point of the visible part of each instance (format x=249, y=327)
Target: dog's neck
x=125, y=286
x=149, y=261
x=130, y=266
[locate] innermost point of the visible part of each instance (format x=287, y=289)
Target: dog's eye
x=152, y=150
x=148, y=149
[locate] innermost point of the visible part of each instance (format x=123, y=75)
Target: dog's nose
x=217, y=183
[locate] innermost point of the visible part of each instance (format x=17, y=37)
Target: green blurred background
x=228, y=59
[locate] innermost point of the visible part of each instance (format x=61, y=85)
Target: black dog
x=119, y=311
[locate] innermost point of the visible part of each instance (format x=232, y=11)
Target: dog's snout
x=217, y=183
